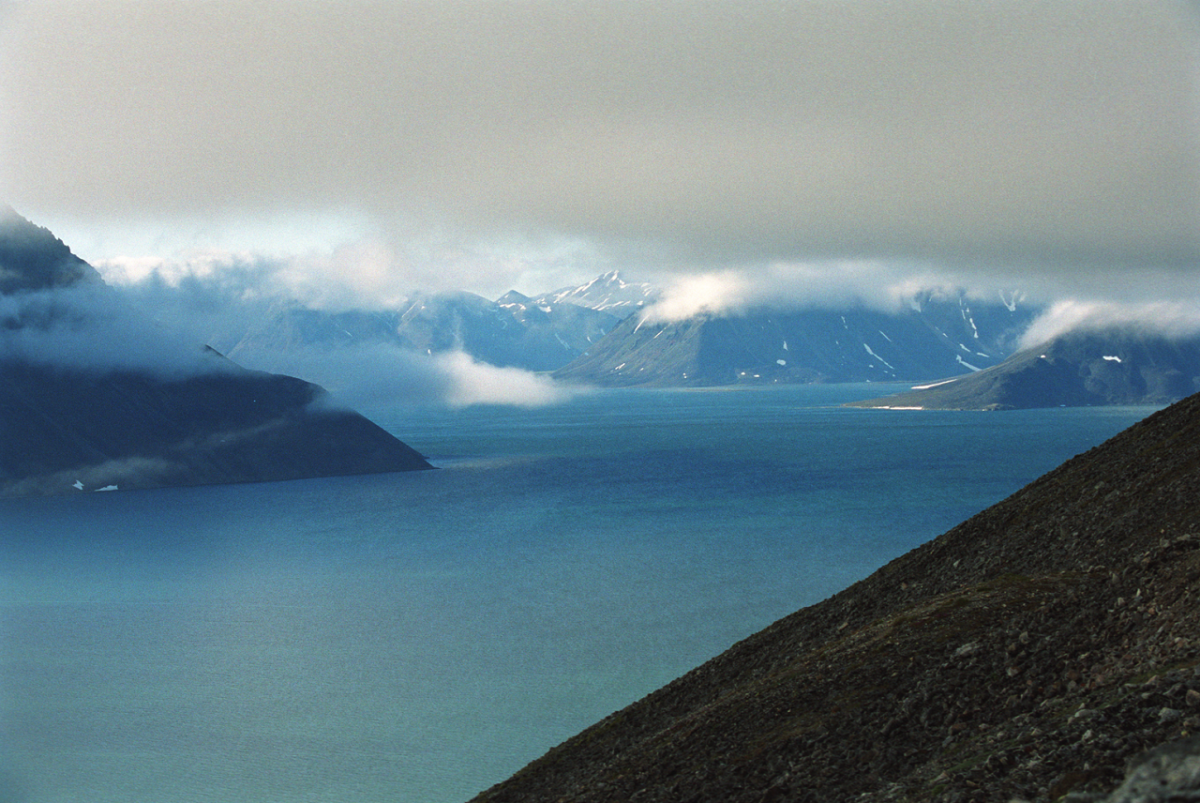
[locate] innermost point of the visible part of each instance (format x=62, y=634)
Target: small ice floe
x=107, y=488
x=781, y=362
x=966, y=364
x=78, y=485
x=785, y=348
x=1112, y=358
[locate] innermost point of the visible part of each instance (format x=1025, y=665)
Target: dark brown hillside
x=1028, y=652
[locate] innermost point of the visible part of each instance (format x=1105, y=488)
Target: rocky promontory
x=1033, y=652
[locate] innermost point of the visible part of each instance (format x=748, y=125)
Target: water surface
x=417, y=637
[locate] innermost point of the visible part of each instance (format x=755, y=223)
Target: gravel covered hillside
x=1029, y=652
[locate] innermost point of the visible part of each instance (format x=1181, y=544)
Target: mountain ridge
x=1090, y=366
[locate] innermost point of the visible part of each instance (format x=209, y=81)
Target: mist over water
x=421, y=636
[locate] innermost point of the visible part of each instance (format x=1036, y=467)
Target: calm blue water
x=418, y=637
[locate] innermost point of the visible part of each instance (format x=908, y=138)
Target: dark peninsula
x=79, y=412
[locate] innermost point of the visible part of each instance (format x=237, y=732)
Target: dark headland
x=79, y=413
x=1030, y=652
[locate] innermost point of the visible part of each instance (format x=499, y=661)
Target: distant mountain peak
x=512, y=297
x=608, y=292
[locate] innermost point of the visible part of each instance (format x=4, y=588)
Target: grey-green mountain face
x=1111, y=365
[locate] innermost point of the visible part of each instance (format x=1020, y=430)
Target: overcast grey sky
x=486, y=145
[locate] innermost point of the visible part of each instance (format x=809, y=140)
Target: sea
x=418, y=637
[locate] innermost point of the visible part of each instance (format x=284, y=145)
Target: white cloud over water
x=381, y=374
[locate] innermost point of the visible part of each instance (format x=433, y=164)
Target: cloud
x=829, y=284
x=89, y=328
x=375, y=374
x=220, y=304
x=472, y=382
x=1042, y=139
x=363, y=272
x=1173, y=319
x=350, y=276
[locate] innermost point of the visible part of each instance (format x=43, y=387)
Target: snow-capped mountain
x=607, y=293
x=937, y=335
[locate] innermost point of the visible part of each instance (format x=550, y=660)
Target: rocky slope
x=1029, y=652
x=93, y=396
x=1115, y=365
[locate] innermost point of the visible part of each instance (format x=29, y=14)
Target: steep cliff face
x=93, y=396
x=1029, y=652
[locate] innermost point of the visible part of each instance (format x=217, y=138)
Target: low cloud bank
x=1172, y=319
x=377, y=374
x=220, y=306
x=359, y=274
x=362, y=270
x=89, y=328
x=791, y=286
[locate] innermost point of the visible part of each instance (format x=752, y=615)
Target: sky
x=354, y=152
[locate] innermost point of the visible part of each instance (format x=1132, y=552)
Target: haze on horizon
x=800, y=152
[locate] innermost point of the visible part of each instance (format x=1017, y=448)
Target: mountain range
x=95, y=397
x=1034, y=650
x=596, y=334
x=935, y=335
